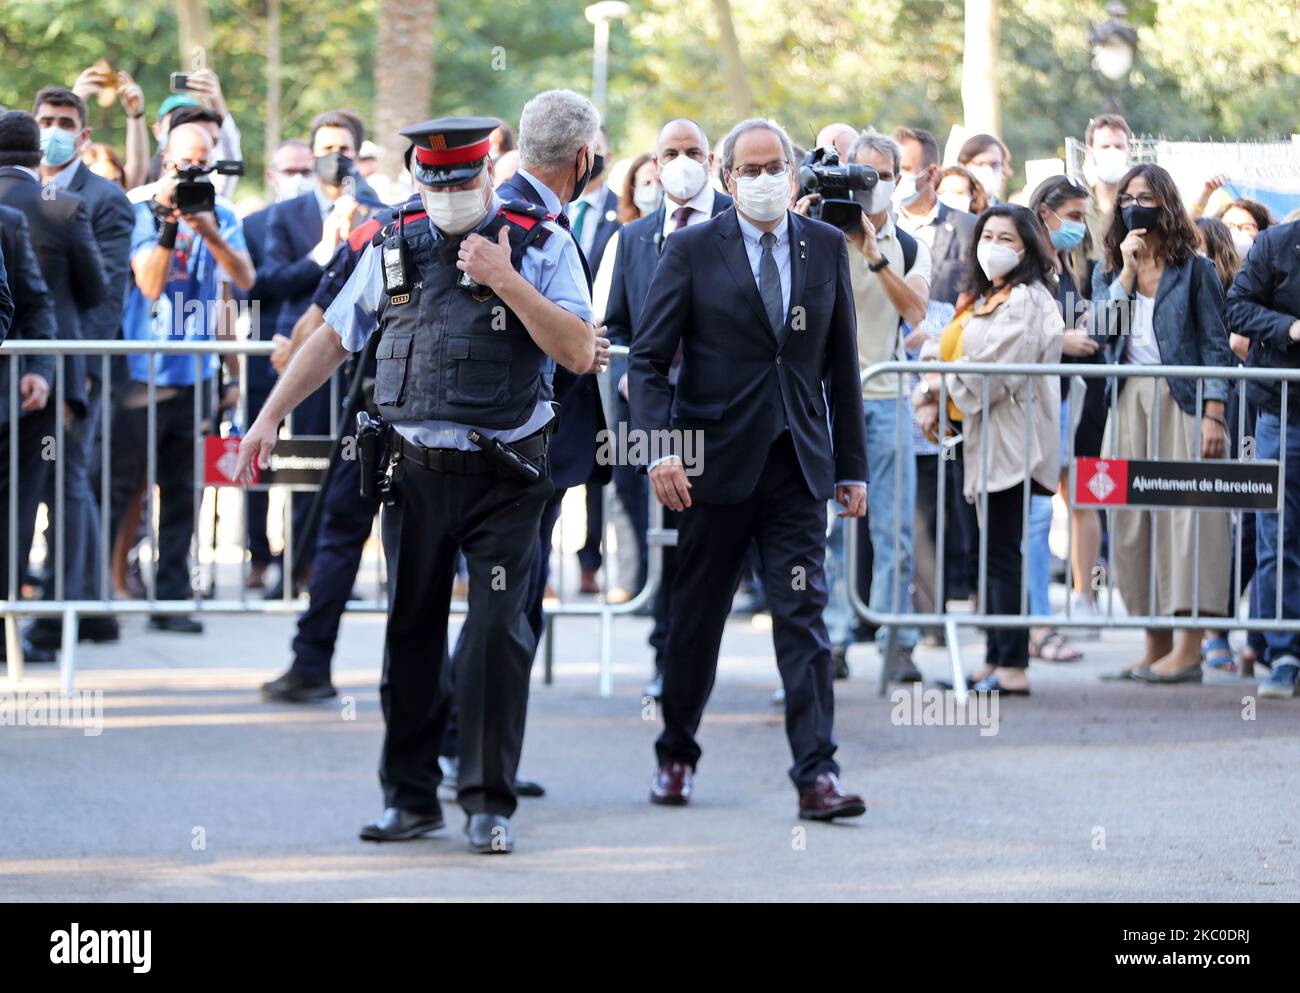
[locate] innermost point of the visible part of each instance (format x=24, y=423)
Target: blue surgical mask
x=57, y=146
x=1069, y=235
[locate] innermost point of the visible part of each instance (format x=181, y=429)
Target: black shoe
x=839, y=658
x=176, y=624
x=904, y=670
x=529, y=787
x=396, y=824
x=489, y=834
x=45, y=632
x=31, y=653
x=276, y=592
x=293, y=688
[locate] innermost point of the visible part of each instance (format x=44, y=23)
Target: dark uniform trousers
x=345, y=523
x=33, y=430
x=495, y=522
x=788, y=525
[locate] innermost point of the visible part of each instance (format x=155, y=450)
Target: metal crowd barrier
x=15, y=609
x=951, y=622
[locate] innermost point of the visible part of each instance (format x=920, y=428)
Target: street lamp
x=600, y=14
x=1114, y=45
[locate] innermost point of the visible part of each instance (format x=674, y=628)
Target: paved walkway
x=196, y=790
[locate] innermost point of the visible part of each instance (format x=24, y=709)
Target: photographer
x=178, y=260
x=890, y=272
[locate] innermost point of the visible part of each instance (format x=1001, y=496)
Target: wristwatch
x=877, y=266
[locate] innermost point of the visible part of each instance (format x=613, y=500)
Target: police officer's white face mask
x=455, y=212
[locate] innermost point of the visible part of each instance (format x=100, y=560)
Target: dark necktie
x=562, y=219
x=680, y=216
x=769, y=284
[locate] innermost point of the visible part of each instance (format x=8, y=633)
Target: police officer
x=475, y=302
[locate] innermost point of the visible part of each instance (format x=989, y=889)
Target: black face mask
x=1135, y=216
x=597, y=167
x=333, y=168
x=585, y=177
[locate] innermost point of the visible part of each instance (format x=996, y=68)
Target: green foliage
x=1205, y=67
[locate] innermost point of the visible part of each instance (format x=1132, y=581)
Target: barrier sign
x=296, y=462
x=1207, y=485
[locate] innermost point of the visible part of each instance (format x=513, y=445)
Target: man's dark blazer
x=6, y=298
x=112, y=218
x=33, y=307
x=952, y=253
x=65, y=246
x=261, y=375
x=607, y=223
x=736, y=379
x=575, y=442
x=293, y=228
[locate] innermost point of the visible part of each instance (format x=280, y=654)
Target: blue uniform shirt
x=186, y=309
x=554, y=269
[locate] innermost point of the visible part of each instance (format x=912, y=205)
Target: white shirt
x=701, y=209
x=1142, y=347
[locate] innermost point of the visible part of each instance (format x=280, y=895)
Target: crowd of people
x=941, y=267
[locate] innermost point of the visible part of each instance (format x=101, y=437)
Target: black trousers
x=174, y=465
x=495, y=522
x=788, y=525
x=1007, y=647
x=663, y=605
x=33, y=429
x=345, y=522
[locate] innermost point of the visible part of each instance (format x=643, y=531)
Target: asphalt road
x=197, y=790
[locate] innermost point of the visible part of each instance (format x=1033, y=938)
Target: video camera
x=199, y=196
x=822, y=173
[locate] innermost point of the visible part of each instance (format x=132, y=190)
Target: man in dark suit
x=683, y=163
x=593, y=219
x=551, y=177
x=302, y=235
x=70, y=261
x=61, y=116
x=760, y=303
x=32, y=312
x=289, y=177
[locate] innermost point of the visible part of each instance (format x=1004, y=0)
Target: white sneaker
x=1080, y=608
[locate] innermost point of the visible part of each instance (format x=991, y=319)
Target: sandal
x=1217, y=654
x=1054, y=647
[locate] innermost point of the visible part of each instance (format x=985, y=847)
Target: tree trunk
x=195, y=33
x=272, y=78
x=981, y=105
x=734, y=77
x=403, y=74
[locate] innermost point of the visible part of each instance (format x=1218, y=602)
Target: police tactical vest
x=447, y=353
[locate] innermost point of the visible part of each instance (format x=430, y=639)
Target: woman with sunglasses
x=1161, y=303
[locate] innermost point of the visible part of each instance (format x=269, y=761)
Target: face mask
x=957, y=201
x=996, y=260
x=333, y=168
x=1069, y=235
x=682, y=178
x=583, y=178
x=1110, y=165
x=906, y=193
x=876, y=200
x=990, y=179
x=597, y=167
x=647, y=198
x=1135, y=217
x=289, y=186
x=58, y=146
x=454, y=213
x=1242, y=242
x=763, y=198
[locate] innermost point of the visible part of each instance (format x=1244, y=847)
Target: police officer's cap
x=450, y=150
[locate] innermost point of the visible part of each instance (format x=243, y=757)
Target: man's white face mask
x=457, y=211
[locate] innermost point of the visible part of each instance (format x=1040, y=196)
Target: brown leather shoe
x=589, y=584
x=827, y=801
x=672, y=784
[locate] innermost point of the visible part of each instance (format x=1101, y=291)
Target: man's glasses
x=1142, y=200
x=751, y=171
